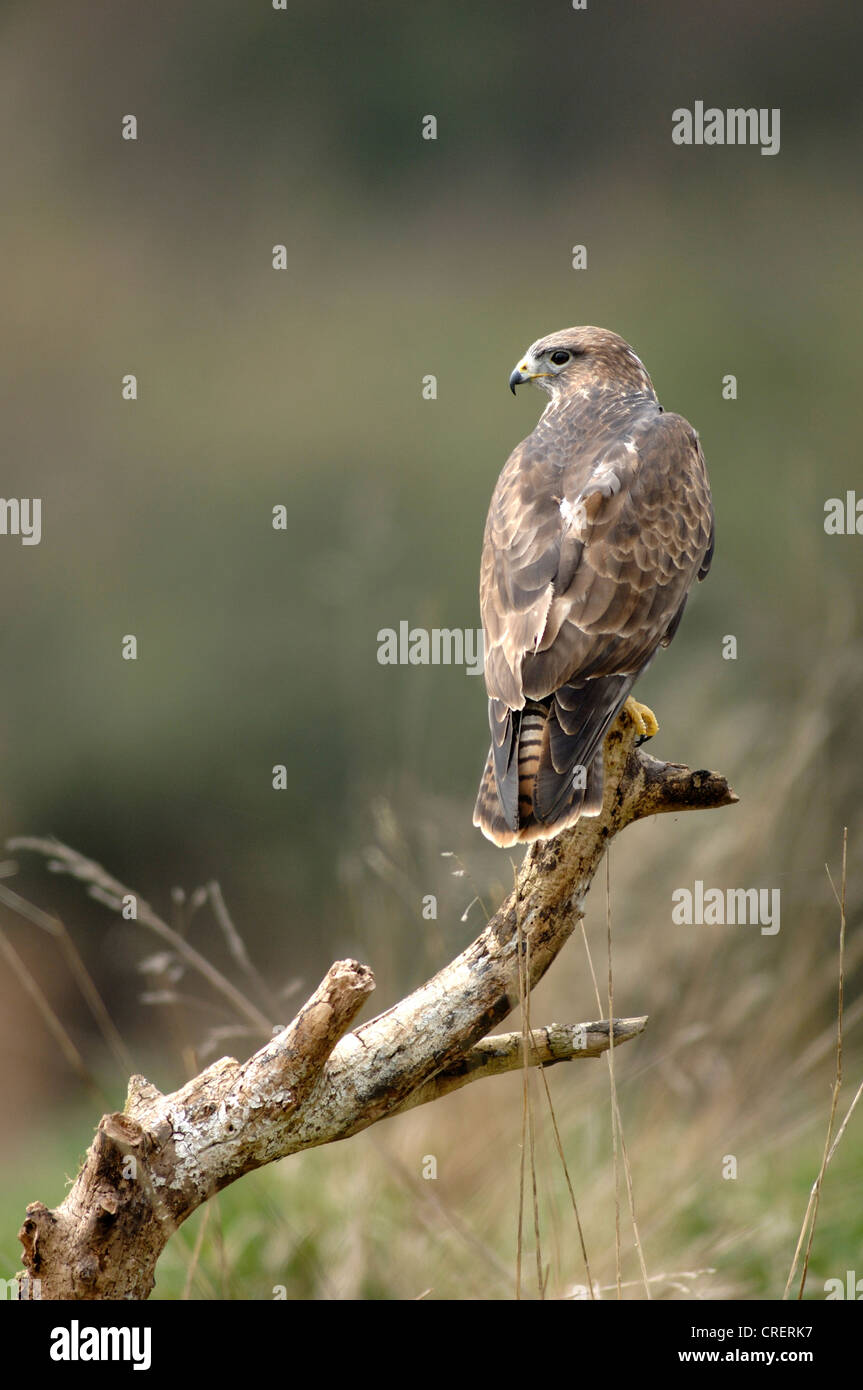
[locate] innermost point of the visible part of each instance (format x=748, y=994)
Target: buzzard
x=599, y=524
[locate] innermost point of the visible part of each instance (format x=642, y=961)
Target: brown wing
x=585, y=567
x=587, y=562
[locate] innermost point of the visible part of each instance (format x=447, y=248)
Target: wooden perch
x=505, y=1052
x=152, y=1165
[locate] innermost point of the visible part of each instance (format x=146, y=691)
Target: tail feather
x=553, y=761
x=595, y=789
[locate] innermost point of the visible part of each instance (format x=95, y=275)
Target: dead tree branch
x=505, y=1052
x=152, y=1165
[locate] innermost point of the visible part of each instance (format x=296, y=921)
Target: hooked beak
x=526, y=371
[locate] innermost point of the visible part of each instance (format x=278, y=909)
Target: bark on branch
x=152, y=1165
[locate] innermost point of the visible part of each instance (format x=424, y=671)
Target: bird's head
x=580, y=360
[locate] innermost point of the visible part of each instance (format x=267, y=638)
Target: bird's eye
x=558, y=358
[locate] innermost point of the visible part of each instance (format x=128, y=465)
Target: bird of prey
x=599, y=524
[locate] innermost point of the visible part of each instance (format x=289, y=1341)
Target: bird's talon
x=645, y=721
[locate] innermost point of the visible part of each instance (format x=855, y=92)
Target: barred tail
x=549, y=760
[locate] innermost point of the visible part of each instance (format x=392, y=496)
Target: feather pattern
x=599, y=524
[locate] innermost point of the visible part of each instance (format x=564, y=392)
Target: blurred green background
x=257, y=647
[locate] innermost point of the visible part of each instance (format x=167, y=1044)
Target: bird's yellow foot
x=645, y=721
